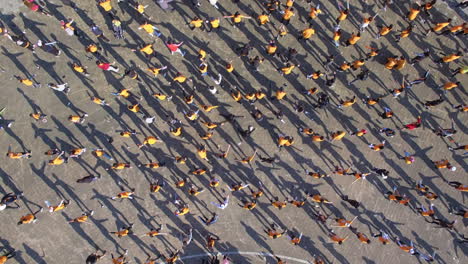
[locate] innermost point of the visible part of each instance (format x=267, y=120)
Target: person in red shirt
x=413, y=125
x=107, y=66
x=173, y=47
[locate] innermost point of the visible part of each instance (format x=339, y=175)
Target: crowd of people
x=198, y=102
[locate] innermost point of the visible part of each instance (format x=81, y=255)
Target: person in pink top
x=107, y=66
x=173, y=47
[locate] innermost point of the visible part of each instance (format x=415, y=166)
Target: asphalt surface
x=53, y=240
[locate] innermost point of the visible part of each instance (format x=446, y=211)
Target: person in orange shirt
x=449, y=58
x=58, y=160
x=83, y=218
x=353, y=39
x=449, y=86
x=344, y=12
x=272, y=231
x=439, y=26
x=361, y=236
x=29, y=218
x=377, y=147
x=413, y=13
x=347, y=103
x=405, y=33
x=120, y=166
x=314, y=12
x=124, y=195
x=6, y=255
x=337, y=35
x=125, y=231
x=295, y=240
x=459, y=186
x=384, y=30
x=336, y=239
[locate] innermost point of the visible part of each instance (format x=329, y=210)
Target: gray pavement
x=53, y=240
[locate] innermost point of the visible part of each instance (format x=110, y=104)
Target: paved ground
x=53, y=240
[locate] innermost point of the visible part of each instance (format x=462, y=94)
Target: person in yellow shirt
x=155, y=71
x=214, y=23
x=287, y=69
x=80, y=68
x=149, y=141
x=282, y=31
x=150, y=29
x=288, y=13
x=196, y=22
x=237, y=18
x=125, y=93
x=271, y=48
x=180, y=78
x=19, y=155
x=307, y=33
x=59, y=160
x=139, y=8
x=55, y=208
x=27, y=81
x=148, y=50
x=263, y=18
x=107, y=6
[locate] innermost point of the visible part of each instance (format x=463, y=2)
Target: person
x=9, y=199
x=98, y=32
x=404, y=33
x=6, y=255
x=209, y=221
x=93, y=258
x=122, y=259
x=223, y=205
x=19, y=155
x=152, y=30
x=80, y=68
x=196, y=22
x=55, y=208
x=336, y=239
x=273, y=232
x=444, y=164
x=63, y=87
x=49, y=47
x=175, y=47
x=124, y=195
x=117, y=28
x=89, y=179
x=125, y=231
x=29, y=218
x=384, y=30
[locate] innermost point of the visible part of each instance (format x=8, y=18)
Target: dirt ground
x=53, y=240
